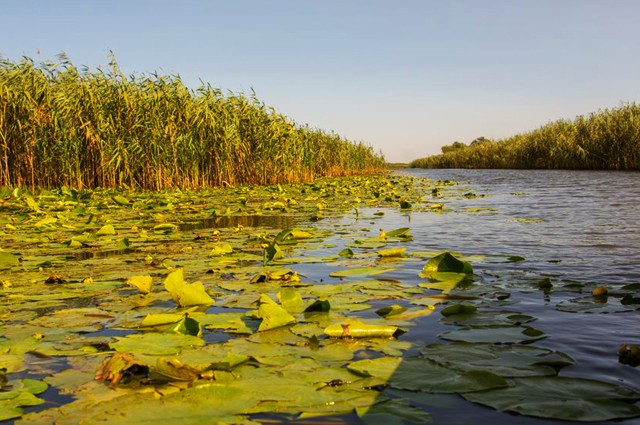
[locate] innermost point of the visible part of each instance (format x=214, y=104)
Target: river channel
x=571, y=228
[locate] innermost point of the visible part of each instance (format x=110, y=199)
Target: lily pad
x=495, y=334
x=186, y=294
x=503, y=360
x=418, y=374
x=561, y=398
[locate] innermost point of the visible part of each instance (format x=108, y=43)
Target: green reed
x=64, y=126
x=607, y=139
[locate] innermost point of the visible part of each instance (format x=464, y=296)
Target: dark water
x=571, y=227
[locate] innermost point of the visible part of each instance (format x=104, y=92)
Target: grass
x=64, y=126
x=608, y=139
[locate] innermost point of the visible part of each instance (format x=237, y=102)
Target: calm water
x=569, y=226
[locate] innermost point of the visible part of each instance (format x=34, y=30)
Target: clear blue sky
x=405, y=76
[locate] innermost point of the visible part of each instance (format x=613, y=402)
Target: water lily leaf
x=120, y=200
x=272, y=252
x=459, y=308
x=591, y=304
x=106, y=230
x=11, y=363
x=488, y=318
x=151, y=320
x=143, y=283
x=220, y=249
x=561, y=398
x=186, y=294
x=392, y=252
x=418, y=374
x=7, y=260
x=272, y=315
x=504, y=360
x=186, y=326
x=390, y=310
x=46, y=223
x=165, y=228
x=361, y=271
x=357, y=329
x=174, y=370
x=291, y=300
x=236, y=322
x=495, y=334
x=446, y=262
x=154, y=343
x=11, y=408
x=403, y=231
x=318, y=306
x=346, y=253
x=392, y=412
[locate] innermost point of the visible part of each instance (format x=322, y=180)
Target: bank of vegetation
x=64, y=126
x=608, y=139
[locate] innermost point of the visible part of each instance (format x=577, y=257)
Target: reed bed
x=605, y=140
x=64, y=126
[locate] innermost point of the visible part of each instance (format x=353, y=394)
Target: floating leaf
x=495, y=334
x=165, y=228
x=446, y=262
x=154, y=343
x=220, y=249
x=504, y=360
x=106, y=230
x=361, y=271
x=460, y=308
x=318, y=306
x=186, y=294
x=8, y=260
x=571, y=399
x=272, y=315
x=417, y=374
x=346, y=253
x=390, y=310
x=143, y=283
x=186, y=326
x=392, y=252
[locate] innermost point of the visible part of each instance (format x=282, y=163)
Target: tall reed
x=60, y=125
x=607, y=139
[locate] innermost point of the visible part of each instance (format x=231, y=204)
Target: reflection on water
x=226, y=221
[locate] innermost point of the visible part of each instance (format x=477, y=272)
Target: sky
x=404, y=76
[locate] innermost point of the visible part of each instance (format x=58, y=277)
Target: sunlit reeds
x=60, y=125
x=607, y=139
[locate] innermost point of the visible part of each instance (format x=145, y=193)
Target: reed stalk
x=64, y=126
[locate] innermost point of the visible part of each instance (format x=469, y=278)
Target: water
x=570, y=226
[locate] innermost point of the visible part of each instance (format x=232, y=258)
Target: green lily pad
x=361, y=271
x=503, y=360
x=143, y=283
x=106, y=230
x=156, y=344
x=186, y=294
x=495, y=334
x=560, y=398
x=272, y=315
x=419, y=374
x=445, y=262
x=8, y=260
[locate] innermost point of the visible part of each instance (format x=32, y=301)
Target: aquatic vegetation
x=64, y=126
x=607, y=139
x=211, y=305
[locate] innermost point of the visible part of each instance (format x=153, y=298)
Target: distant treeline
x=608, y=139
x=63, y=126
